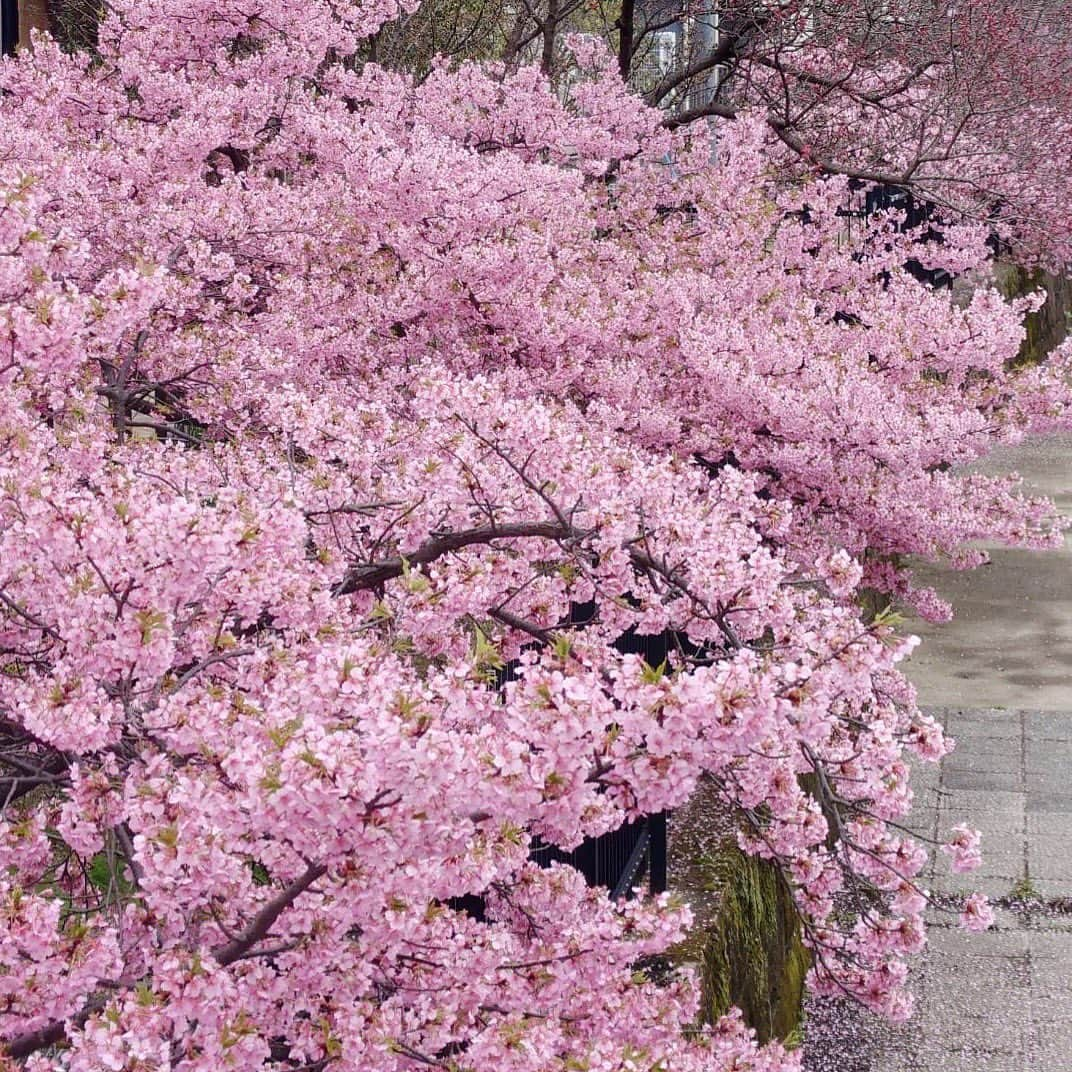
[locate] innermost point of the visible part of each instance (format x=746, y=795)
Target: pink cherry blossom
x=348, y=422
x=977, y=914
x=964, y=848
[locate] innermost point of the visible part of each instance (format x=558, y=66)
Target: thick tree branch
x=52, y=1034
x=373, y=574
x=715, y=109
x=626, y=30
x=723, y=53
x=262, y=923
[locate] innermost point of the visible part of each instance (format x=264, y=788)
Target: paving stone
x=1005, y=728
x=982, y=1062
x=1048, y=725
x=1052, y=823
x=995, y=863
x=993, y=761
x=995, y=887
x=995, y=1034
x=1055, y=1048
x=1048, y=782
x=1010, y=820
x=1051, y=982
x=979, y=800
x=952, y=941
x=1048, y=762
x=1006, y=919
x=999, y=1001
x=1049, y=858
x=1043, y=919
x=1035, y=745
x=1053, y=1058
x=980, y=779
x=1050, y=945
x=1051, y=889
x=925, y=775
x=1005, y=746
x=1009, y=977
x=1001, y=844
x=938, y=712
x=922, y=815
x=893, y=1062
x=1002, y=1001
x=1050, y=802
x=1048, y=1008
x=985, y=714
x=1058, y=1035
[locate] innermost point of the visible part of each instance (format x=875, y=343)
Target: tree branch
x=262, y=923
x=373, y=574
x=626, y=45
x=54, y=1033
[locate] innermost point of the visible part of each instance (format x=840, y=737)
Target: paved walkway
x=1010, y=644
x=1000, y=678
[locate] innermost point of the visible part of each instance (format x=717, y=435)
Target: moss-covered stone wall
x=752, y=955
x=746, y=942
x=1047, y=327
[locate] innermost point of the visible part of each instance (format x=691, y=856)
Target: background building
x=18, y=18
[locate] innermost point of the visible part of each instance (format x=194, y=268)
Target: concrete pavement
x=1000, y=678
x=1010, y=644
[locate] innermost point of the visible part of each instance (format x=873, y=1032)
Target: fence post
x=657, y=853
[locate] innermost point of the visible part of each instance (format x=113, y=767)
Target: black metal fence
x=636, y=851
x=618, y=860
x=915, y=213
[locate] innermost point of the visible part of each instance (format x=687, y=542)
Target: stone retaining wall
x=1048, y=327
x=746, y=941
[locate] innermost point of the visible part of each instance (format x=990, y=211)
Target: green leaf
x=652, y=675
x=888, y=617
x=563, y=647
x=99, y=872
x=259, y=873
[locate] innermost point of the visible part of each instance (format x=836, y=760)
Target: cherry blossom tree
x=325, y=394
x=964, y=103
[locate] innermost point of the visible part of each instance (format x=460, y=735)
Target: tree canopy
x=328, y=391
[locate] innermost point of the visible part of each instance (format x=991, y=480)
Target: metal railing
x=915, y=212
x=619, y=859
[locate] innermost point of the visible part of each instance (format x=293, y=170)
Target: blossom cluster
x=325, y=397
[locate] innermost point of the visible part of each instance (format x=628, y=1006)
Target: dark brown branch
x=712, y=109
x=266, y=917
x=522, y=625
x=715, y=109
x=550, y=29
x=54, y=1033
x=843, y=84
x=626, y=45
x=373, y=574
x=51, y=769
x=211, y=660
x=32, y=619
x=726, y=50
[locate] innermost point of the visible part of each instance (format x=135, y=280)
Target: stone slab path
x=1000, y=678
